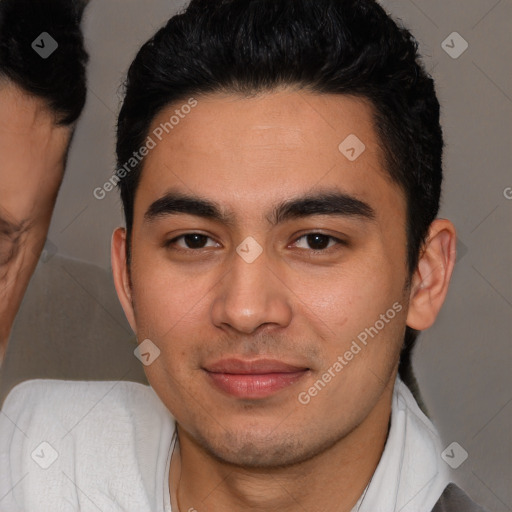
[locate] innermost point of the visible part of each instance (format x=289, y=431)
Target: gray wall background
x=462, y=363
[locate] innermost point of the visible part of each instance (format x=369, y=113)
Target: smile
x=253, y=379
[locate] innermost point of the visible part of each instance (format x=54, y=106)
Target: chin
x=274, y=449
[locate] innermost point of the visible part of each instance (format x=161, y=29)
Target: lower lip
x=254, y=386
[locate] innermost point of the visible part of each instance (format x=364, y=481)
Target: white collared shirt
x=69, y=446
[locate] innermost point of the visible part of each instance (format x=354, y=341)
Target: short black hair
x=346, y=47
x=59, y=79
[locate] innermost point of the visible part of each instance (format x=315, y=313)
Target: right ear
x=121, y=276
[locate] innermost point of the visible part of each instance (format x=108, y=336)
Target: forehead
x=21, y=110
x=266, y=148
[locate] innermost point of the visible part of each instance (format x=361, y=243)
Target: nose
x=252, y=295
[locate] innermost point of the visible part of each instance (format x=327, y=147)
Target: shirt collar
x=411, y=474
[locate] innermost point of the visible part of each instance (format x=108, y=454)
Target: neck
x=332, y=480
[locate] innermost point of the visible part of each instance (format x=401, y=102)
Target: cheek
x=352, y=297
x=363, y=311
x=166, y=299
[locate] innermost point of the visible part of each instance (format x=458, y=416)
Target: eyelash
x=339, y=242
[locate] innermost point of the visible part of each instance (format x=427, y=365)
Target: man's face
x=245, y=335
x=33, y=150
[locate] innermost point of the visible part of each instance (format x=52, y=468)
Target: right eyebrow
x=174, y=203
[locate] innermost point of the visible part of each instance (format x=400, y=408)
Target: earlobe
x=120, y=275
x=432, y=276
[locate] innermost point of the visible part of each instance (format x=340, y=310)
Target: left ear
x=432, y=275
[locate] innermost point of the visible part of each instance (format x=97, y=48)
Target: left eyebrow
x=332, y=203
x=323, y=203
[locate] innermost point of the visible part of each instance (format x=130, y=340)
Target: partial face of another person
x=254, y=297
x=33, y=150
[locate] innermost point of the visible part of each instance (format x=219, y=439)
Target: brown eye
x=195, y=241
x=317, y=242
x=190, y=241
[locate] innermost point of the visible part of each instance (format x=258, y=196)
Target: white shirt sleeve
x=70, y=446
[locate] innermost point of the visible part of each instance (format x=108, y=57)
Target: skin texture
x=33, y=152
x=292, y=303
